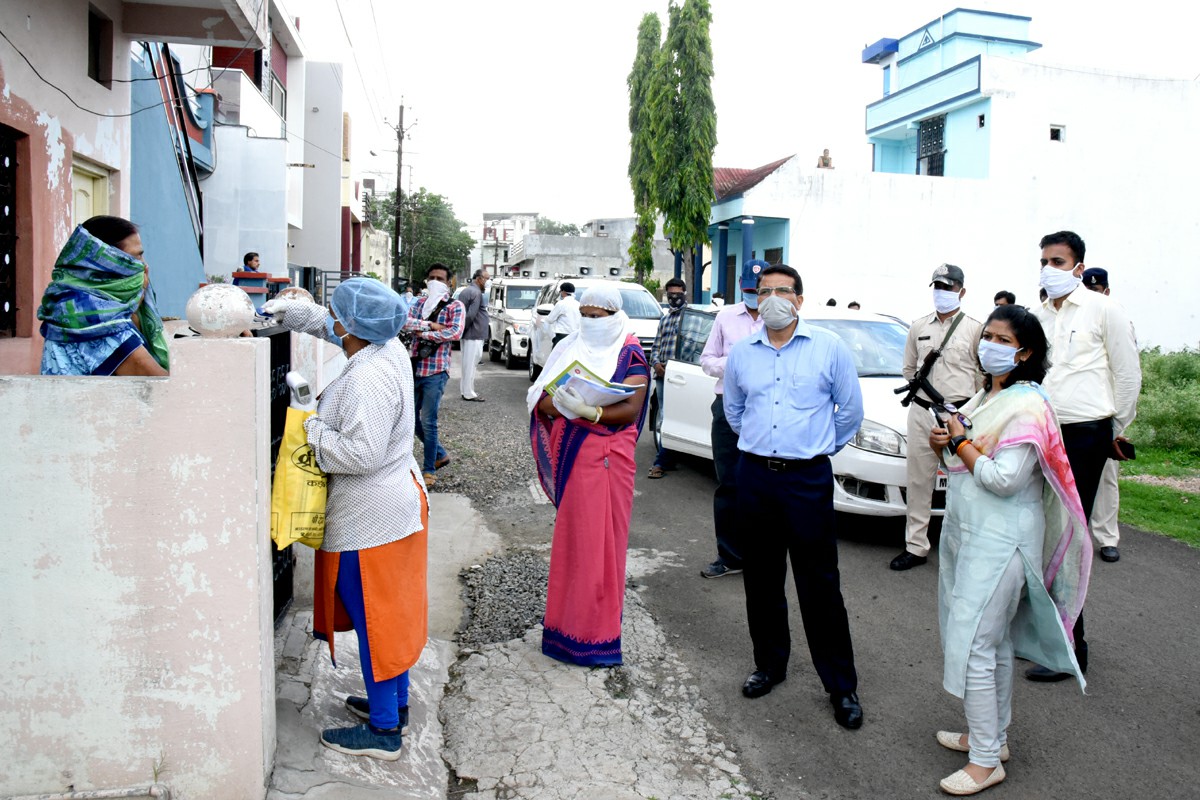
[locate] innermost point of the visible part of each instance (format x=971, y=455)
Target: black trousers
x=726, y=521
x=791, y=514
x=1088, y=445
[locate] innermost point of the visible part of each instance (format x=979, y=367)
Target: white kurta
x=990, y=515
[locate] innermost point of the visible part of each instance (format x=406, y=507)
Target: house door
x=89, y=191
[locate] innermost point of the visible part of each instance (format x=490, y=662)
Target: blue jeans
x=427, y=397
x=386, y=697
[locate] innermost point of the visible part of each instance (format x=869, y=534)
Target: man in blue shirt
x=792, y=396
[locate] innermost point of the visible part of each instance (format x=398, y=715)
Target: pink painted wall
x=137, y=577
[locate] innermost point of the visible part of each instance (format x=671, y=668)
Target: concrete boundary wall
x=136, y=578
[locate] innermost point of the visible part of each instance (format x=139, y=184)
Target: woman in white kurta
x=1014, y=554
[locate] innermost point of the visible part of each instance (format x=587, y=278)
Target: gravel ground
x=505, y=597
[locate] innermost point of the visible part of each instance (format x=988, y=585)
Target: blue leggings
x=385, y=697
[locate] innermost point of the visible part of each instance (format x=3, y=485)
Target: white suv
x=637, y=302
x=510, y=306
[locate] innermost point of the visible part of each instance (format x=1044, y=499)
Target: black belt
x=925, y=404
x=785, y=464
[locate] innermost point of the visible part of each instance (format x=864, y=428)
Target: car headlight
x=521, y=328
x=876, y=438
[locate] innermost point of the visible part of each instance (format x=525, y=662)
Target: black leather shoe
x=847, y=711
x=907, y=560
x=1043, y=675
x=759, y=683
x=1110, y=554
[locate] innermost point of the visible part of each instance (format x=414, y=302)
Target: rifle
x=937, y=402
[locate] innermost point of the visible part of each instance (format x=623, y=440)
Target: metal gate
x=8, y=232
x=284, y=563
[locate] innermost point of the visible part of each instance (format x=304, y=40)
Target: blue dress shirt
x=800, y=401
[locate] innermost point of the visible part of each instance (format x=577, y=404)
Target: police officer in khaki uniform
x=956, y=375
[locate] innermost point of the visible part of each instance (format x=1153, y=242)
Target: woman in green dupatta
x=98, y=314
x=1015, y=554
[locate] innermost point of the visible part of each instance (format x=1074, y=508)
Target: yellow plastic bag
x=299, y=489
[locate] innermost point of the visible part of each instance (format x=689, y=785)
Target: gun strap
x=927, y=367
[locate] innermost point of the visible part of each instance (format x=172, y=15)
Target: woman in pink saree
x=585, y=462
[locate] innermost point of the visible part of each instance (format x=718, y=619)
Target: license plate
x=940, y=484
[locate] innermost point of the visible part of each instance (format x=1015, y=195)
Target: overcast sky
x=522, y=105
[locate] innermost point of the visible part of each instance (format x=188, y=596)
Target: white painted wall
x=876, y=238
x=318, y=243
x=245, y=203
x=137, y=578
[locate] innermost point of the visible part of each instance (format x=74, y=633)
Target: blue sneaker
x=364, y=740
x=361, y=708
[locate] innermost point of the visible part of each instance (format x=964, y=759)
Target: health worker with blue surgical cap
x=377, y=513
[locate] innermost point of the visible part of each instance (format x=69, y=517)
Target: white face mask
x=945, y=301
x=776, y=312
x=601, y=332
x=1058, y=282
x=487, y=284
x=998, y=359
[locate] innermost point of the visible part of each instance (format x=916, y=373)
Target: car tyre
x=493, y=353
x=510, y=361
x=534, y=369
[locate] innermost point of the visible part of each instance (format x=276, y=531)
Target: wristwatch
x=957, y=442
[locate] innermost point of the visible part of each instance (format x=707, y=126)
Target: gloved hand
x=568, y=401
x=277, y=307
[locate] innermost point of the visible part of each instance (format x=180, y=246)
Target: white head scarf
x=435, y=292
x=597, y=344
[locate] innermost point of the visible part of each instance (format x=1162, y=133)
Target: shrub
x=1168, y=413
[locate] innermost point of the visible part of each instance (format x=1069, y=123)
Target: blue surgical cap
x=369, y=310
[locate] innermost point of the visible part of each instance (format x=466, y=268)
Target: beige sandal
x=656, y=472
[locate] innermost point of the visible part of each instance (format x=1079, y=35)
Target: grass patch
x=1162, y=509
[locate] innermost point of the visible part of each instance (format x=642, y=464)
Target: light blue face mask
x=329, y=334
x=750, y=298
x=998, y=359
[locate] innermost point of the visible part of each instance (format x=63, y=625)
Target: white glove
x=568, y=401
x=277, y=307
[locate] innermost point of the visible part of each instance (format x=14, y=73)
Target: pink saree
x=587, y=471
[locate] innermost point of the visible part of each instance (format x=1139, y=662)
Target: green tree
x=552, y=227
x=431, y=233
x=684, y=126
x=641, y=150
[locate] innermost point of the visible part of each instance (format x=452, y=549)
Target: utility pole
x=399, y=205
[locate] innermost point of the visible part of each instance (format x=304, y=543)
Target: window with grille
x=773, y=255
x=8, y=232
x=931, y=146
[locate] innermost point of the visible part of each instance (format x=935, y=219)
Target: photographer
x=940, y=349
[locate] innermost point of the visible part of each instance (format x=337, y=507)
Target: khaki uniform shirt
x=956, y=373
x=1095, y=372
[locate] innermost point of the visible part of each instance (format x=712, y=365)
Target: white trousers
x=1108, y=502
x=921, y=467
x=472, y=352
x=987, y=700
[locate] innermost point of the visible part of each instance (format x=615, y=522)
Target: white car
x=869, y=473
x=510, y=306
x=637, y=302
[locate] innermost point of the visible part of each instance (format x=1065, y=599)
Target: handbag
x=299, y=489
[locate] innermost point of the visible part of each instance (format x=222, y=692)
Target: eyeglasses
x=782, y=291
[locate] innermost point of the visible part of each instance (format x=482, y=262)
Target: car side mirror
x=544, y=309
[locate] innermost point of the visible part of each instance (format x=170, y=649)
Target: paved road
x=1135, y=734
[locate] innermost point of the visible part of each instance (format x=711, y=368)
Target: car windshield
x=640, y=304
x=877, y=347
x=521, y=297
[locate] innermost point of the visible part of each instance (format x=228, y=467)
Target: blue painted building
x=172, y=144
x=934, y=115
x=737, y=236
